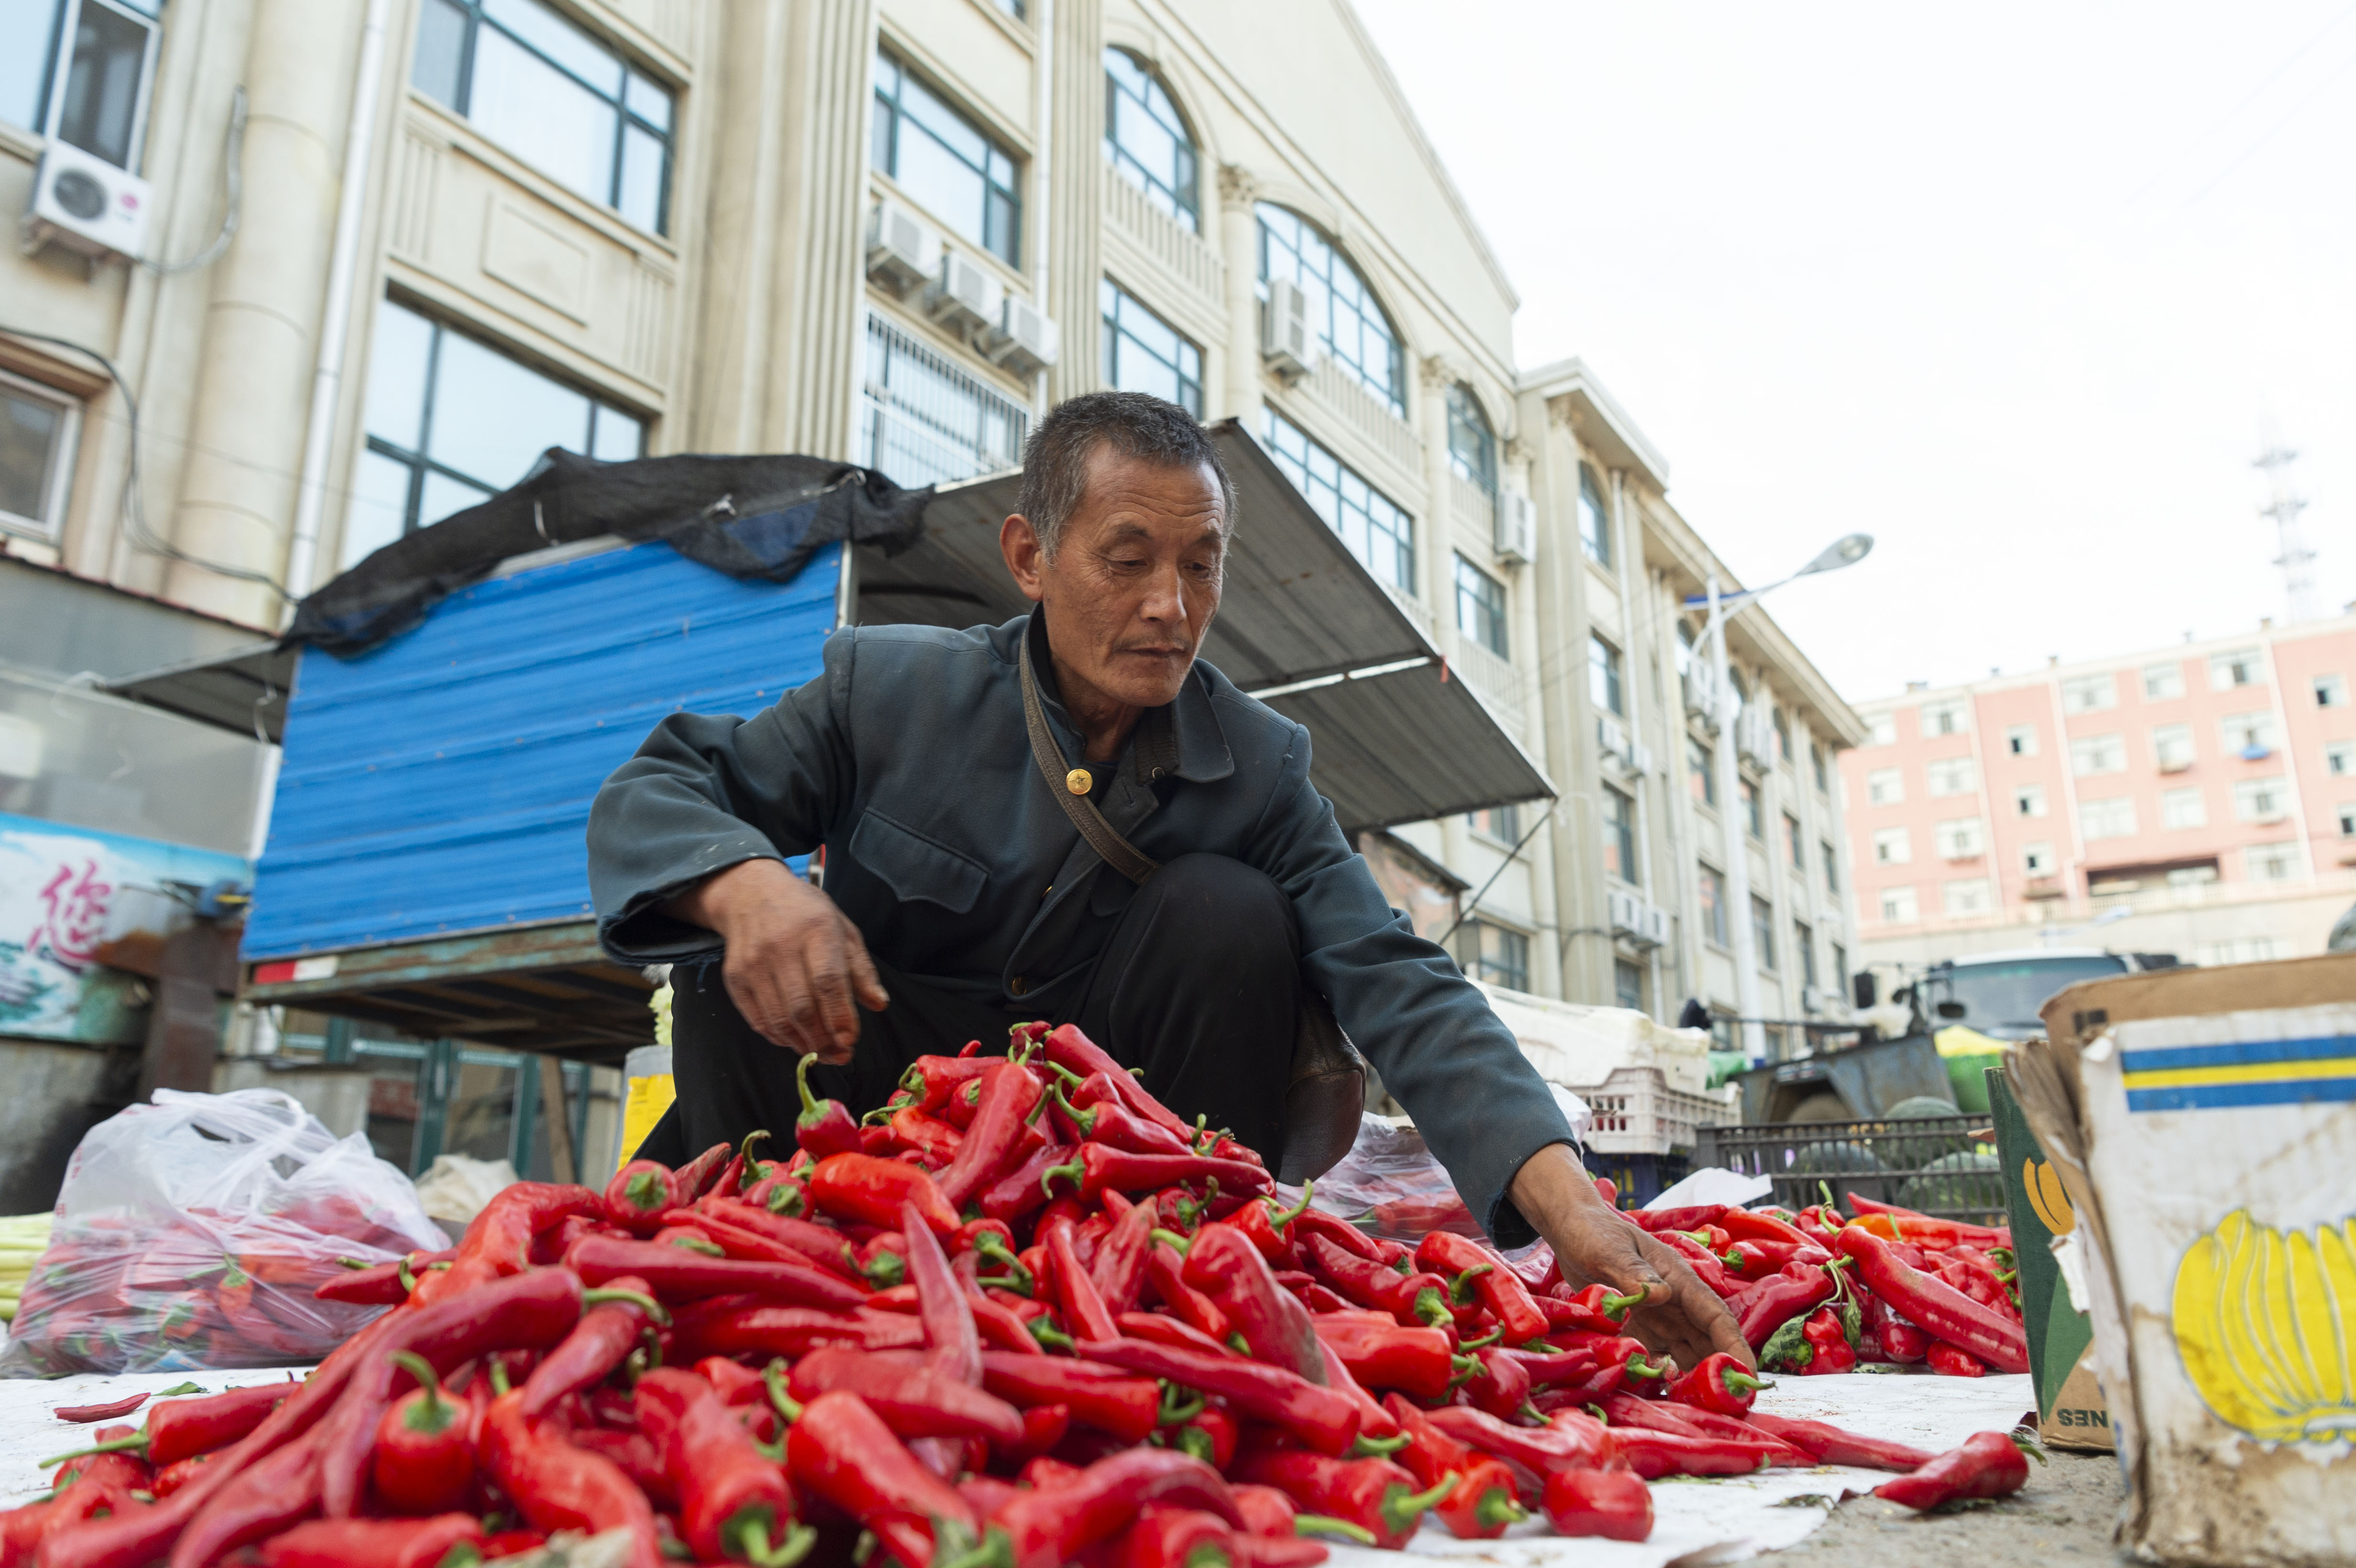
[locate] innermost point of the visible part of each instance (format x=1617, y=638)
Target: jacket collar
x=1181, y=738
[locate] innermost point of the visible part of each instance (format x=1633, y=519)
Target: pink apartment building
x=2198, y=799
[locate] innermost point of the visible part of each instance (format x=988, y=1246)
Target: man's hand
x=1594, y=1246
x=794, y=965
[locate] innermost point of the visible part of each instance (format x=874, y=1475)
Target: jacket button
x=1019, y=986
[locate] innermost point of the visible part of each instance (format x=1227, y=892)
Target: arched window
x=1471, y=444
x=1594, y=532
x=1147, y=139
x=1350, y=323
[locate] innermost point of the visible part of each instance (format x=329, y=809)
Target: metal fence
x=924, y=420
x=1931, y=1163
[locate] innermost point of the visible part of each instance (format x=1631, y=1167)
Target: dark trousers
x=1199, y=985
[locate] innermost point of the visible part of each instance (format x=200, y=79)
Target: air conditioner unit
x=1518, y=530
x=1287, y=341
x=84, y=203
x=1754, y=734
x=1700, y=684
x=1639, y=760
x=1625, y=910
x=1026, y=337
x=2176, y=765
x=1815, y=1000
x=903, y=254
x=964, y=294
x=1610, y=736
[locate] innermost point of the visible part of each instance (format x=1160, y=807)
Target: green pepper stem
x=1171, y=1239
x=646, y=1192
x=1497, y=1507
x=499, y=1374
x=1616, y=1307
x=462, y=1554
x=773, y=1378
x=1280, y=1219
x=438, y=1414
x=1367, y=1447
x=135, y=1443
x=1638, y=1366
x=752, y=1540
x=1739, y=1381
x=1048, y=1334
x=811, y=1110
x=647, y=1304
x=1077, y=1172
x=1083, y=1120
x=1178, y=1412
x=1485, y=1341
x=1401, y=1507
x=400, y=1271
x=1430, y=1308
x=1460, y=1289
x=1325, y=1524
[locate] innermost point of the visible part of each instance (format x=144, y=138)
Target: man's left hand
x=1592, y=1245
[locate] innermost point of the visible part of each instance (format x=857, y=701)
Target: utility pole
x=2296, y=560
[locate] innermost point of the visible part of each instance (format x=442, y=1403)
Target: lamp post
x=1846, y=551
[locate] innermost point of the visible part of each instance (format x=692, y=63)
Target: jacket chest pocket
x=915, y=867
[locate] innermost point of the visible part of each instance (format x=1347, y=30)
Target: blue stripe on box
x=2314, y=1047
x=2227, y=1097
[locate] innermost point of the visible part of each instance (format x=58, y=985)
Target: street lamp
x=1845, y=551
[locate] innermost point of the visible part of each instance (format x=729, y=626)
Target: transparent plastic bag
x=190, y=1233
x=1389, y=1186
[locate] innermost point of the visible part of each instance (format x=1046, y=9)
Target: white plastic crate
x=1636, y=1111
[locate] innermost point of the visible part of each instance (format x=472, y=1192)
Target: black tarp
x=748, y=516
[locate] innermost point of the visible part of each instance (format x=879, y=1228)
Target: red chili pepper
x=1719, y=1382
x=110, y=1460
x=86, y=1413
x=936, y=1081
x=1552, y=1369
x=733, y=1502
x=1165, y=1537
x=1950, y=1363
x=1054, y=1524
x=1223, y=1264
x=1613, y=1504
x=728, y=1325
x=424, y=1460
x=1691, y=1218
x=1008, y=1096
x=699, y=1175
x=25, y=1531
x=1501, y=1385
x=914, y=1132
x=1268, y=1226
x=729, y=1220
x=371, y=1543
x=1901, y=1342
x=1069, y=1048
x=499, y=1241
x=1705, y=1264
x=1076, y=1293
x=641, y=1193
x=1322, y=1418
x=1409, y=1299
x=1779, y=1299
x=1340, y=1232
x=1098, y=1113
x=841, y=1450
x=177, y=1474
x=914, y=1401
x=1567, y=1439
x=1492, y=1279
x=1827, y=1336
x=1164, y=1271
x=179, y=1428
x=1416, y=1362
x=1751, y=1225
x=382, y=1285
x=1126, y=1407
x=1479, y=1505
x=251, y=1505
x=1375, y=1495
x=598, y=1343
x=1120, y=1269
x=1021, y=1189
x=1831, y=1446
x=1096, y=1166
x=557, y=1486
x=1939, y=1308
x=678, y=1275
x=1988, y=1465
x=634, y=1454
x=1913, y=1225
x=862, y=1187
x=1596, y=1308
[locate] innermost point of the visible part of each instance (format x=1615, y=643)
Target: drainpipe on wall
x=1041, y=170
x=335, y=319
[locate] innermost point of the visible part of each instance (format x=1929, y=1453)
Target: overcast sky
x=2009, y=286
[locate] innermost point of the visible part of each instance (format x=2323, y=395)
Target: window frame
x=1910, y=895
x=2021, y=740
x=1482, y=598
x=1817, y=766
x=1112, y=300
x=1183, y=208
x=2161, y=737
x=1015, y=196
x=2092, y=756
x=1604, y=671
x=2261, y=731
x=1795, y=843
x=2111, y=812
x=1617, y=816
x=1467, y=419
x=1763, y=935
x=2170, y=674
x=1701, y=766
x=1829, y=858
x=1899, y=840
x=2236, y=668
x=2023, y=795
x=2078, y=686
x=1953, y=712
x=1476, y=933
x=1804, y=941
x=477, y=17
x=2331, y=689
x=1946, y=767
x=2171, y=800
x=1959, y=839
x=1875, y=780
x=1594, y=519
x=1709, y=900
x=1276, y=431
x=1754, y=810
x=1391, y=391
x=57, y=484
x=2262, y=800
x=57, y=74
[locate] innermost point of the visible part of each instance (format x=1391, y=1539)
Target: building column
x=816, y=351
x=1240, y=244
x=236, y=503
x=1569, y=728
x=1076, y=228
x=739, y=285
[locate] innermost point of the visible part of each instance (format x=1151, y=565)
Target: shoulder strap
x=1117, y=852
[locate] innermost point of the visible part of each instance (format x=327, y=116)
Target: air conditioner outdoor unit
x=1639, y=760
x=903, y=254
x=1610, y=736
x=1027, y=339
x=1287, y=341
x=1518, y=530
x=1814, y=998
x=84, y=203
x=1700, y=683
x=2176, y=765
x=1626, y=911
x=964, y=294
x=1755, y=734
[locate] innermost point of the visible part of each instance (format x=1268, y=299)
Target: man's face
x=1135, y=579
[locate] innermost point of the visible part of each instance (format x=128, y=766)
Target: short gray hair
x=1134, y=425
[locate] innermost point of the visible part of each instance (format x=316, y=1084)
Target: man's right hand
x=794, y=966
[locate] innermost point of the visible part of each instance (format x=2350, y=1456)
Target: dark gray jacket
x=907, y=759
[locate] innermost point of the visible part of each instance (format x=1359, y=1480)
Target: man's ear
x=1019, y=543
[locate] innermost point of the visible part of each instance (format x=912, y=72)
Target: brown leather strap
x=1117, y=852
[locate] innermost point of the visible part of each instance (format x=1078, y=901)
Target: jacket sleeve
x=1441, y=1049
x=706, y=792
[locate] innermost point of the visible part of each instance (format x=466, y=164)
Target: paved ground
x=2063, y=1515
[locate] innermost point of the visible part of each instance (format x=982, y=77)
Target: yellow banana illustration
x=2266, y=1324
x=2047, y=1200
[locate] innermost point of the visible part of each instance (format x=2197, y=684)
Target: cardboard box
x=2203, y=1123
x=2071, y=1409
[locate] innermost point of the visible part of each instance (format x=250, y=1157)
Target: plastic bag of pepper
x=1027, y=1318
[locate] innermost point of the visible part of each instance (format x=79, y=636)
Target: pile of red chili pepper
x=1816, y=1292
x=1026, y=1318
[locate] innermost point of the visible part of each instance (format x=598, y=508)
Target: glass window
x=2172, y=747
x=1883, y=727
x=2036, y=859
x=924, y=420
x=2260, y=800
x=1480, y=607
x=1840, y=968
x=1711, y=888
x=1780, y=722
x=2183, y=808
x=2163, y=682
x=1947, y=718
x=2271, y=862
x=1147, y=139
x=1350, y=321
x=557, y=97
x=1817, y=766
x=2098, y=754
x=1898, y=907
x=1471, y=444
x=37, y=441
x=2348, y=821
x=1959, y=838
x=1891, y=847
x=1966, y=896
x=2331, y=691
x=1803, y=945
x=1885, y=786
x=1377, y=532
x=109, y=47
x=1502, y=823
x=1500, y=956
x=1603, y=676
x=2113, y=818
x=1763, y=930
x=1628, y=984
x=2020, y=740
x=1014, y=8
x=1795, y=844
x=1701, y=778
x=2339, y=758
x=1831, y=863
x=2248, y=735
x=1143, y=353
x=2089, y=694
x=2029, y=800
x=1594, y=527
x=2242, y=666
x=1618, y=835
x=1950, y=775
x=945, y=163
x=1752, y=822
x=451, y=420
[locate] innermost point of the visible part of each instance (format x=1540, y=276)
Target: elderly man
x=961, y=895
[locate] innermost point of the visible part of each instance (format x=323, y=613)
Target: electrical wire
x=135, y=508
x=2247, y=99
x=233, y=181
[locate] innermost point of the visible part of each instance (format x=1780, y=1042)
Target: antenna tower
x=2283, y=505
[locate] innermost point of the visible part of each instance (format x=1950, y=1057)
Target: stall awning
x=1303, y=626
x=244, y=689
